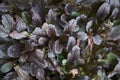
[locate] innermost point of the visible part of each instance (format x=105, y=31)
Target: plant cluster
x=60, y=40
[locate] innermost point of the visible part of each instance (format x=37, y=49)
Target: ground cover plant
x=60, y=40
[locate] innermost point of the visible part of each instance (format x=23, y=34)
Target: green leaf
x=74, y=13
x=116, y=22
x=64, y=61
x=6, y=67
x=111, y=57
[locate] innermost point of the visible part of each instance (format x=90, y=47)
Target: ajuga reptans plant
x=60, y=40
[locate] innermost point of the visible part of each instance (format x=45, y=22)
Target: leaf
x=63, y=18
x=97, y=39
x=114, y=4
x=3, y=33
x=23, y=58
x=73, y=56
x=34, y=69
x=39, y=32
x=89, y=25
x=42, y=40
x=17, y=35
x=37, y=60
x=20, y=4
x=40, y=74
x=82, y=36
x=76, y=51
x=20, y=24
x=111, y=58
x=2, y=54
x=6, y=67
x=11, y=76
x=71, y=43
x=117, y=67
x=68, y=8
x=58, y=47
x=36, y=17
x=26, y=17
x=28, y=45
x=51, y=31
x=8, y=22
x=4, y=7
x=83, y=78
x=15, y=50
x=64, y=61
x=23, y=75
x=114, y=33
x=103, y=11
x=114, y=13
x=80, y=61
x=52, y=16
x=73, y=25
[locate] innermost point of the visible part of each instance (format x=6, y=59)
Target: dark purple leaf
x=11, y=76
x=15, y=51
x=17, y=35
x=6, y=67
x=76, y=51
x=58, y=47
x=114, y=33
x=39, y=53
x=23, y=58
x=103, y=11
x=20, y=4
x=2, y=54
x=114, y=13
x=23, y=75
x=117, y=67
x=8, y=22
x=83, y=78
x=40, y=74
x=3, y=32
x=89, y=25
x=51, y=30
x=63, y=21
x=26, y=67
x=80, y=61
x=97, y=40
x=38, y=31
x=42, y=40
x=4, y=7
x=73, y=25
x=37, y=59
x=20, y=24
x=36, y=18
x=51, y=55
x=114, y=4
x=51, y=17
x=71, y=43
x=73, y=56
x=68, y=8
x=34, y=69
x=28, y=45
x=63, y=18
x=83, y=17
x=82, y=36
